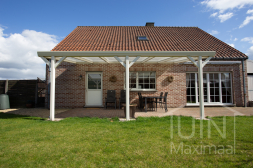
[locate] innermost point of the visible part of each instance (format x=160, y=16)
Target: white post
x=201, y=96
x=52, y=89
x=127, y=89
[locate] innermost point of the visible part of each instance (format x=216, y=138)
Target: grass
x=146, y=142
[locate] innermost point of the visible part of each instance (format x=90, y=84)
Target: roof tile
x=124, y=38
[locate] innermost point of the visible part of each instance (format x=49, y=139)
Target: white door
x=93, y=88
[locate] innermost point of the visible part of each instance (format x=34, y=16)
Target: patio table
x=153, y=97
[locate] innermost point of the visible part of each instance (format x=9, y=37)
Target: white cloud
x=247, y=19
x=250, y=53
x=250, y=11
x=223, y=5
x=18, y=54
x=232, y=45
x=226, y=16
x=213, y=32
x=250, y=50
x=214, y=14
x=249, y=39
x=235, y=39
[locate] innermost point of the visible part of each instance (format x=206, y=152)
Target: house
x=250, y=79
x=143, y=57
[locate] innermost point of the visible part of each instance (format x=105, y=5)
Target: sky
x=29, y=26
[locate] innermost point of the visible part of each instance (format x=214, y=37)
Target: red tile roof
x=124, y=38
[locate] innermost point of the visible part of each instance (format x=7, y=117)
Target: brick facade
x=70, y=90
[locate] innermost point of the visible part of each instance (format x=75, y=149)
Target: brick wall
x=70, y=90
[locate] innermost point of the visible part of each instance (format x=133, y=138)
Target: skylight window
x=142, y=38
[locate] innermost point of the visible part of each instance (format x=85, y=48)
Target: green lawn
x=146, y=142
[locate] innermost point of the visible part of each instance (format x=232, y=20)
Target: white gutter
x=219, y=62
x=124, y=53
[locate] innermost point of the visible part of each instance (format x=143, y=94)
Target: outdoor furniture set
x=143, y=100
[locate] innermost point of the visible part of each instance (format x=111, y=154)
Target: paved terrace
x=109, y=113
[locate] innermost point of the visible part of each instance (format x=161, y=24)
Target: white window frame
x=208, y=90
x=137, y=81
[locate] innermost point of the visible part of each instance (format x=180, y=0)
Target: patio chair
x=122, y=98
x=165, y=101
x=160, y=100
x=111, y=98
x=141, y=105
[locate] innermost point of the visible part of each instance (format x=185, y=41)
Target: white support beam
x=181, y=60
x=147, y=59
x=60, y=61
x=193, y=61
x=185, y=60
x=84, y=59
x=167, y=59
x=46, y=61
x=206, y=61
x=127, y=89
x=52, y=89
x=120, y=61
x=201, y=95
x=134, y=61
x=105, y=59
x=66, y=60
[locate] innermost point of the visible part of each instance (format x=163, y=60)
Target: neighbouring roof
x=125, y=38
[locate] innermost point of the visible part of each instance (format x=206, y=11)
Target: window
x=94, y=81
x=191, y=90
x=217, y=88
x=142, y=80
x=142, y=38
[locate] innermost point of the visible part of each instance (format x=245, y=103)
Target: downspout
x=244, y=87
x=48, y=87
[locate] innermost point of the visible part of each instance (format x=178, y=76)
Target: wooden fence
x=22, y=92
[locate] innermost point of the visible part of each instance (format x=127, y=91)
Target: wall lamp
x=80, y=77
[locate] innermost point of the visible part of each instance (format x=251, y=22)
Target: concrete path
x=194, y=112
x=109, y=113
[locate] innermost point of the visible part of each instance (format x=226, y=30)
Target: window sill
x=210, y=104
x=143, y=90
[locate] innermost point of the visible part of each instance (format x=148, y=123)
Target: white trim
x=220, y=88
x=105, y=59
x=60, y=61
x=120, y=61
x=46, y=61
x=124, y=53
x=209, y=104
x=52, y=89
x=137, y=81
x=143, y=90
x=127, y=89
x=201, y=96
x=147, y=59
x=206, y=61
x=134, y=61
x=193, y=61
x=219, y=62
x=84, y=59
x=208, y=88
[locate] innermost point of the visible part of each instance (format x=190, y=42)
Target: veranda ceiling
x=107, y=57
